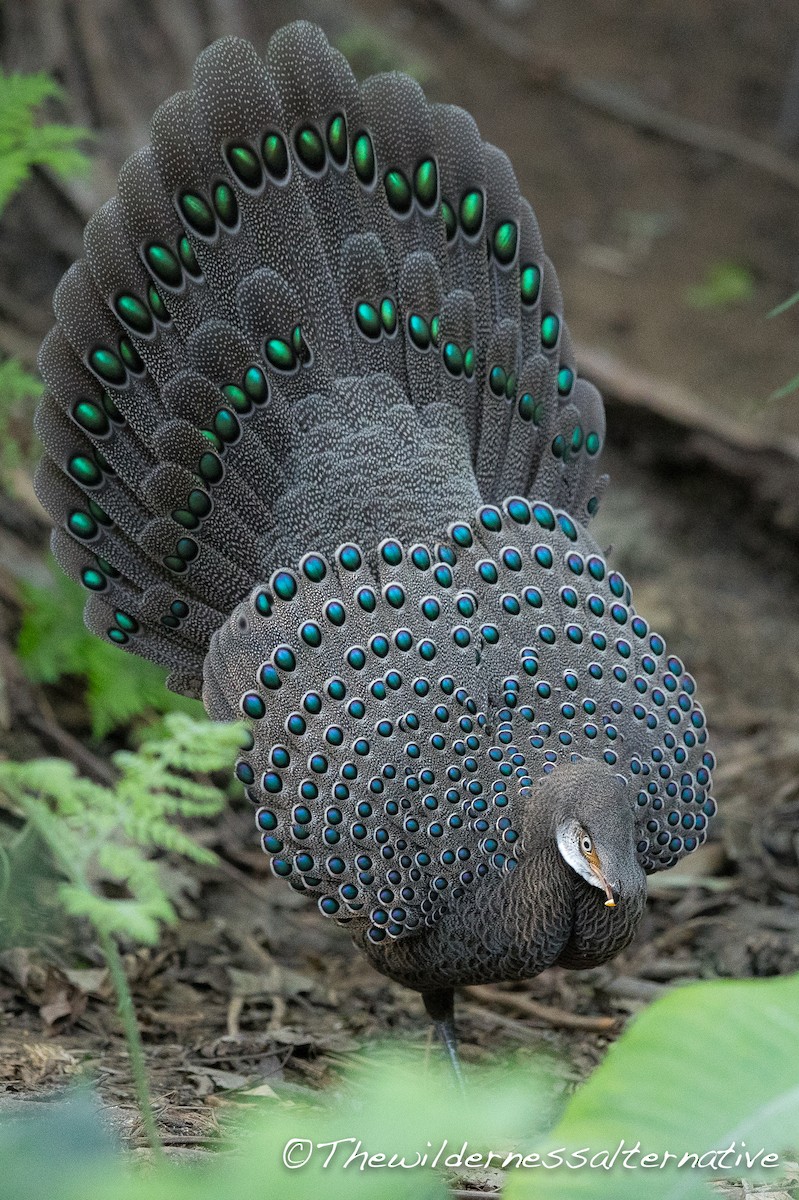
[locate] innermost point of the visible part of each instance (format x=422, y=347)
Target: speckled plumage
x=315, y=441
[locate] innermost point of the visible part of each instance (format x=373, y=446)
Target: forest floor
x=252, y=992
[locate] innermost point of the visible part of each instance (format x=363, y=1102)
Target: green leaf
x=24, y=143
x=787, y=388
x=726, y=284
x=709, y=1066
x=54, y=643
x=786, y=304
x=19, y=391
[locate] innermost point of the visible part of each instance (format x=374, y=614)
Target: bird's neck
x=514, y=927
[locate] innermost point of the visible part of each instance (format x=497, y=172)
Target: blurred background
x=658, y=141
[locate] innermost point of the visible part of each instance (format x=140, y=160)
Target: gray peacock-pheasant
x=315, y=441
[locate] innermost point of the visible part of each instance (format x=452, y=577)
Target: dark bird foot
x=440, y=1006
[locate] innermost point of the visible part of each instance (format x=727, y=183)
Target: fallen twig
x=486, y=994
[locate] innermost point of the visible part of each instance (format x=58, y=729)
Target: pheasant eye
x=586, y=845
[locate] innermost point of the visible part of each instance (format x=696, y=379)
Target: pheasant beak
x=592, y=859
x=612, y=900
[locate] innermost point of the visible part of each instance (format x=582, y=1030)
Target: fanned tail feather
x=314, y=311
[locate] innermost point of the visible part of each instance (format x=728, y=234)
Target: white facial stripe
x=569, y=846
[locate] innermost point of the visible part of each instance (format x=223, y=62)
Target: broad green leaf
x=710, y=1066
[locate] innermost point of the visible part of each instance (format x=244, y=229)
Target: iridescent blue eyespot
x=519, y=511
x=544, y=516
x=284, y=659
x=335, y=613
x=349, y=557
x=314, y=568
x=285, y=585
x=269, y=677
x=253, y=706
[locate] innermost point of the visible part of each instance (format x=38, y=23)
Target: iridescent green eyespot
x=530, y=284
x=565, y=381
x=314, y=568
x=106, y=567
x=126, y=622
x=99, y=514
x=197, y=214
x=280, y=355
x=363, y=157
x=425, y=183
x=435, y=325
x=276, y=155
x=185, y=518
x=505, y=239
x=550, y=331
x=199, y=502
x=189, y=258
x=135, y=313
x=419, y=331
x=255, y=385
x=468, y=362
x=187, y=549
x=226, y=426
x=226, y=206
x=452, y=356
x=91, y=417
x=398, y=191
x=94, y=580
x=210, y=468
x=337, y=139
x=107, y=365
x=367, y=319
x=164, y=264
x=300, y=345
x=497, y=380
x=526, y=407
x=130, y=356
x=310, y=148
x=237, y=398
x=471, y=213
x=81, y=525
x=157, y=305
x=244, y=164
x=388, y=315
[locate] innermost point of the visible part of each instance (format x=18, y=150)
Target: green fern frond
x=19, y=391
x=54, y=642
x=99, y=835
x=25, y=143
